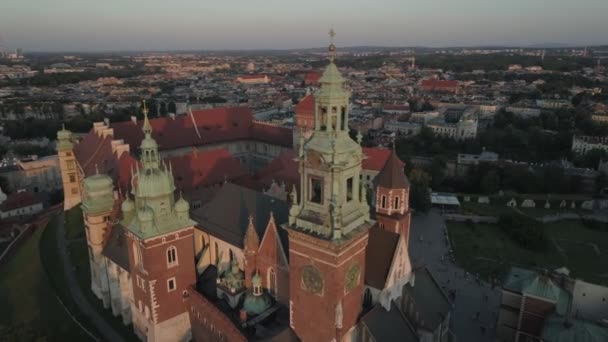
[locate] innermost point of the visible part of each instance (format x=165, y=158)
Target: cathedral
x=214, y=227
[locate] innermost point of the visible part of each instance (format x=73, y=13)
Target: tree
x=490, y=183
x=438, y=166
x=419, y=190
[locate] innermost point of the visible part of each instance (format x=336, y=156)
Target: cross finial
x=332, y=34
x=145, y=110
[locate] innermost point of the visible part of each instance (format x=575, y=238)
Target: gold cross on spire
x=332, y=34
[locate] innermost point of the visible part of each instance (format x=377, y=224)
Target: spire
x=392, y=176
x=332, y=47
x=147, y=127
x=252, y=241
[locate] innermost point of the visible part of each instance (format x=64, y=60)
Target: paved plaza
x=475, y=302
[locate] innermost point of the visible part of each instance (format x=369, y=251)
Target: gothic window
x=272, y=282
x=383, y=202
x=72, y=178
x=349, y=189
x=397, y=202
x=323, y=118
x=315, y=190
x=171, y=256
x=171, y=286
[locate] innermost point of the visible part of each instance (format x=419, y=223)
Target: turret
x=128, y=211
x=182, y=208
x=392, y=197
x=68, y=165
x=251, y=243
x=97, y=209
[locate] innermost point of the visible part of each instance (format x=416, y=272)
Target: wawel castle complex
x=214, y=227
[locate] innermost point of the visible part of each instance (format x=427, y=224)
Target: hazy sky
x=75, y=25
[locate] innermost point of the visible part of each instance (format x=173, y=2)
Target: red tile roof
x=204, y=168
x=282, y=169
x=312, y=78
x=252, y=77
x=306, y=107
x=272, y=134
x=392, y=175
x=376, y=158
x=433, y=83
x=18, y=200
x=215, y=125
x=396, y=107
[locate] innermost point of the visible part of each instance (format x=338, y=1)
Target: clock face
x=353, y=274
x=312, y=280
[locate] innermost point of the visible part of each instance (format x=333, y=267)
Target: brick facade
x=314, y=316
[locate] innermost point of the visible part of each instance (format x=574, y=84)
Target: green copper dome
x=145, y=214
x=127, y=205
x=182, y=206
x=64, y=134
x=331, y=75
x=154, y=183
x=98, y=183
x=99, y=190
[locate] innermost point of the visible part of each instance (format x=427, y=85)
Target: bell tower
x=160, y=239
x=329, y=221
x=70, y=173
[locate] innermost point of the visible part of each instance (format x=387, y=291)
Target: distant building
x=20, y=204
x=581, y=144
x=433, y=85
x=253, y=79
x=475, y=159
x=312, y=79
x=524, y=112
x=403, y=128
x=397, y=109
x=461, y=130
x=34, y=174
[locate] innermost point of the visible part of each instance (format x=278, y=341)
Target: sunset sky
x=93, y=25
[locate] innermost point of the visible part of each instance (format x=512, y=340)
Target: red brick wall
x=208, y=322
x=314, y=315
x=269, y=255
x=154, y=255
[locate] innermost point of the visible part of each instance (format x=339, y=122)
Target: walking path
x=108, y=333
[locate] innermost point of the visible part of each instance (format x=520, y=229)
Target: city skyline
x=239, y=25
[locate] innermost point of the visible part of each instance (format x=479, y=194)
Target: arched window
x=272, y=282
x=383, y=202
x=396, y=202
x=171, y=256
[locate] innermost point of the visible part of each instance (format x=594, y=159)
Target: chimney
x=106, y=121
x=134, y=119
x=172, y=116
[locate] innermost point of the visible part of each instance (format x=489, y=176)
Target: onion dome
x=153, y=183
x=64, y=140
x=128, y=210
x=182, y=208
x=145, y=215
x=99, y=194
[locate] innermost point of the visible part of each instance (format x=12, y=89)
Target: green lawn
x=485, y=209
x=30, y=310
x=484, y=249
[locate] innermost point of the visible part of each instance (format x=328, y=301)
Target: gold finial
x=145, y=110
x=332, y=47
x=147, y=127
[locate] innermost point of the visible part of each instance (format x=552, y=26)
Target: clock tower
x=329, y=221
